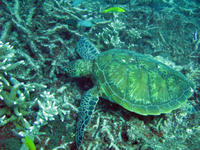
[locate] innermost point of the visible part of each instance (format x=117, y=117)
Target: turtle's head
x=79, y=68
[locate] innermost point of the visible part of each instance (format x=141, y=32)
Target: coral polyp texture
x=38, y=99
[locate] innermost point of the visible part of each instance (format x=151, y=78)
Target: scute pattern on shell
x=139, y=83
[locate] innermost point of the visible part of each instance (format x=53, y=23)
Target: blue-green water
x=38, y=98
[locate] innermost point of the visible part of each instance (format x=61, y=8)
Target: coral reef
x=14, y=94
x=37, y=96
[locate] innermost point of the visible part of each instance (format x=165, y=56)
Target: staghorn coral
x=14, y=94
x=55, y=110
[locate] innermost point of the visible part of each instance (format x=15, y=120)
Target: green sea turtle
x=138, y=83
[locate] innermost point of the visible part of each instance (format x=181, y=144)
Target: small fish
x=77, y=2
x=29, y=143
x=114, y=9
x=85, y=23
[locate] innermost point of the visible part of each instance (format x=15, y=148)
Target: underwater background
x=39, y=101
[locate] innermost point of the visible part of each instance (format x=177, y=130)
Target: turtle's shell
x=139, y=83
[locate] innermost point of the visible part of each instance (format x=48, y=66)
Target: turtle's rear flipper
x=193, y=109
x=86, y=109
x=193, y=105
x=196, y=108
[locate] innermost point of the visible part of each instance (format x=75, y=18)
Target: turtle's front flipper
x=86, y=109
x=86, y=49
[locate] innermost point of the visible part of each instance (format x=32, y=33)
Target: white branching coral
x=110, y=34
x=48, y=108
